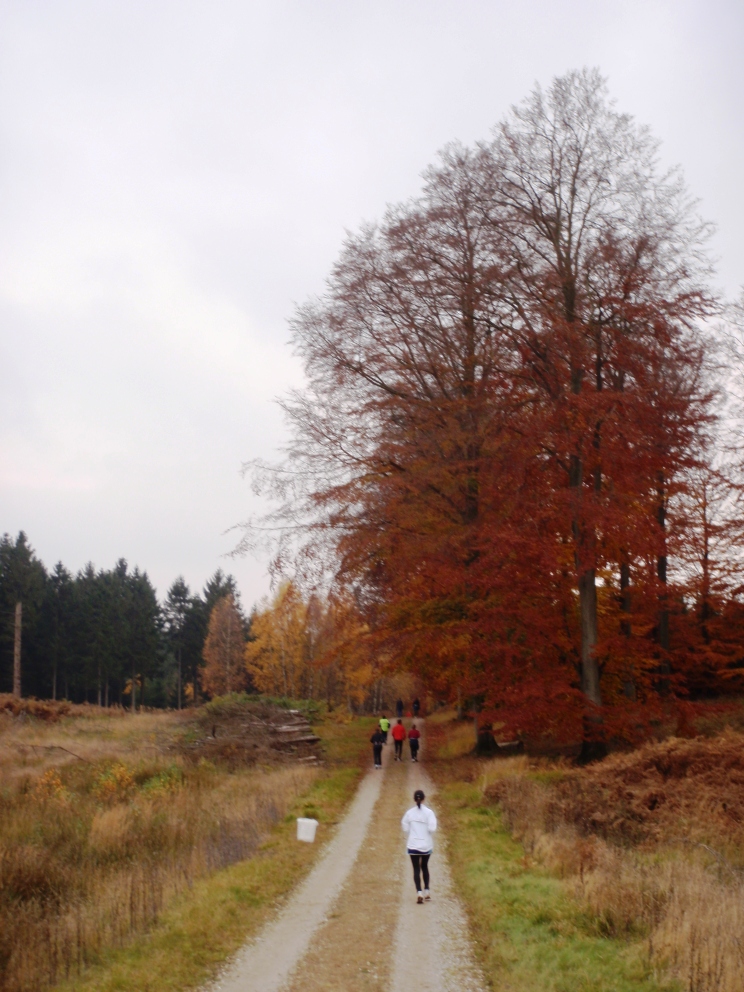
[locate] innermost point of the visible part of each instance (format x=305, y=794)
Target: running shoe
x=420, y=900
x=427, y=896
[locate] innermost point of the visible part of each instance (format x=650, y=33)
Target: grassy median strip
x=531, y=933
x=203, y=927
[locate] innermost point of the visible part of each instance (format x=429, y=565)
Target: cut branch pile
x=255, y=733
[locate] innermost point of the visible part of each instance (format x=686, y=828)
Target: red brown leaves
x=506, y=396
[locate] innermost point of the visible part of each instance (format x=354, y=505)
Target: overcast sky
x=176, y=176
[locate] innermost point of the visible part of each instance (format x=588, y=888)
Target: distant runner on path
x=384, y=726
x=399, y=708
x=419, y=823
x=399, y=735
x=413, y=742
x=377, y=740
x=416, y=706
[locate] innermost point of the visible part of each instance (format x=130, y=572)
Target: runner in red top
x=399, y=735
x=413, y=742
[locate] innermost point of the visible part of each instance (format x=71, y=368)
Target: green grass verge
x=532, y=935
x=203, y=927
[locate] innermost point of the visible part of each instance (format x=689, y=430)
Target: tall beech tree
x=406, y=413
x=506, y=395
x=607, y=289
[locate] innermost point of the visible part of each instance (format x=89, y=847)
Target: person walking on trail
x=399, y=708
x=414, y=736
x=377, y=740
x=399, y=735
x=418, y=824
x=384, y=727
x=416, y=706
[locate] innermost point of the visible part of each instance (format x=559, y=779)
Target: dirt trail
x=432, y=951
x=265, y=963
x=354, y=925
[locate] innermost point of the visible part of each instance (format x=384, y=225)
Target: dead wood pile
x=254, y=732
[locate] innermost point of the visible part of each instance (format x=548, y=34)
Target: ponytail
x=418, y=797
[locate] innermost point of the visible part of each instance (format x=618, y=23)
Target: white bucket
x=306, y=829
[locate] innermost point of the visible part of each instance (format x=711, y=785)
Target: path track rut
x=353, y=925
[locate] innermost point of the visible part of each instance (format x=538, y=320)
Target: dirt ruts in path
x=432, y=948
x=352, y=951
x=378, y=937
x=265, y=963
x=354, y=925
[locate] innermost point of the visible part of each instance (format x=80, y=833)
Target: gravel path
x=432, y=950
x=353, y=925
x=266, y=962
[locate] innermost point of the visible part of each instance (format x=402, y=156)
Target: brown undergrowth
x=103, y=819
x=651, y=842
x=53, y=711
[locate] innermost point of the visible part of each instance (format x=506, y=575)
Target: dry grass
x=102, y=822
x=637, y=851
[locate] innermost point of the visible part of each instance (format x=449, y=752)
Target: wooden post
x=17, y=651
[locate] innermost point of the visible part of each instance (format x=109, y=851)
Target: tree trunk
x=589, y=664
x=592, y=746
x=705, y=605
x=629, y=686
x=17, y=650
x=228, y=677
x=661, y=571
x=134, y=688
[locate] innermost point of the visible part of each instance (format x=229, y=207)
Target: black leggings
x=399, y=749
x=420, y=867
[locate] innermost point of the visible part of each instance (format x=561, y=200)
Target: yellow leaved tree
x=310, y=649
x=275, y=657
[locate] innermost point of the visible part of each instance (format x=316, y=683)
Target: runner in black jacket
x=377, y=740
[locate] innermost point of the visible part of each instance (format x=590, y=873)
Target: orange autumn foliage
x=508, y=405
x=223, y=650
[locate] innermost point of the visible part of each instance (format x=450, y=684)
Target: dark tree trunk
x=629, y=686
x=592, y=746
x=662, y=633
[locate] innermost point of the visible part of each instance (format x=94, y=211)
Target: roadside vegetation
x=116, y=828
x=625, y=875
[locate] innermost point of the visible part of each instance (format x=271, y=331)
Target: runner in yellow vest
x=384, y=727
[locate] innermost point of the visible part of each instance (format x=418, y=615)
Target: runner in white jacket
x=419, y=823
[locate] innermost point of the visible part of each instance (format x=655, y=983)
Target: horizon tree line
x=101, y=636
